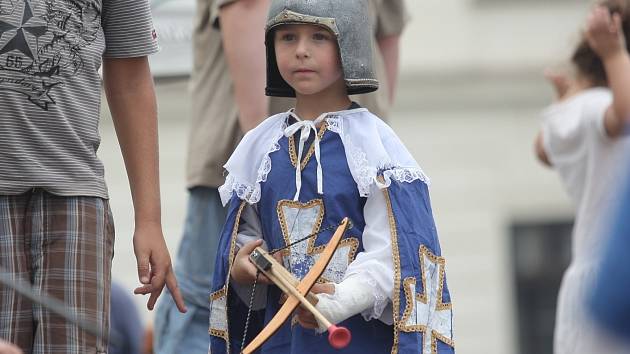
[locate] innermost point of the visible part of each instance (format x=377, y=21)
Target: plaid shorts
x=64, y=247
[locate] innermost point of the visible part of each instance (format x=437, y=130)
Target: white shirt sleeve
x=250, y=229
x=569, y=125
x=368, y=285
x=594, y=114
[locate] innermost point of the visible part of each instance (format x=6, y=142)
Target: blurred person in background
x=227, y=89
x=125, y=322
x=147, y=341
x=582, y=139
x=228, y=98
x=610, y=297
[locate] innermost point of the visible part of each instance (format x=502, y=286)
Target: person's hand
x=243, y=270
x=304, y=317
x=560, y=81
x=154, y=265
x=8, y=348
x=604, y=33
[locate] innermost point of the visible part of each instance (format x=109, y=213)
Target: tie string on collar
x=305, y=127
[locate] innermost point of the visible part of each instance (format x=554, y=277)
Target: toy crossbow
x=298, y=292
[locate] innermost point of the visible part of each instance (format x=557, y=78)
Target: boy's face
x=308, y=58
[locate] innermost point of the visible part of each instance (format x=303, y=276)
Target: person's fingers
x=278, y=256
x=144, y=270
x=153, y=299
x=305, y=318
x=283, y=298
x=604, y=19
x=305, y=314
x=262, y=279
x=301, y=322
x=301, y=316
x=591, y=31
x=605, y=14
x=326, y=288
x=143, y=290
x=317, y=288
x=597, y=19
x=617, y=23
x=591, y=21
x=600, y=13
x=249, y=247
x=171, y=284
x=307, y=325
x=157, y=284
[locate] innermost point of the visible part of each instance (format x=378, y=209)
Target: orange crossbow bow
x=298, y=291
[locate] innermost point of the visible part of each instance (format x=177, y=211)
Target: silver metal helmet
x=350, y=22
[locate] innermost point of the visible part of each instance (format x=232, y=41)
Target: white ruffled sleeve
x=368, y=285
x=570, y=125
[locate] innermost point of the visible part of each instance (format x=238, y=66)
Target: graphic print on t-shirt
x=41, y=44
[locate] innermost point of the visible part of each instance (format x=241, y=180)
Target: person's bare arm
x=243, y=31
x=389, y=47
x=131, y=98
x=540, y=150
x=605, y=35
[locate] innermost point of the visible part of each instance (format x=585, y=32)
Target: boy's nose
x=302, y=50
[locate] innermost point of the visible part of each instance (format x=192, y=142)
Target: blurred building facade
x=470, y=93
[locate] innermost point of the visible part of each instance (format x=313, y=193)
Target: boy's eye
x=320, y=36
x=287, y=36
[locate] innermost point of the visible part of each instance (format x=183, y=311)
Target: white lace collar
x=371, y=148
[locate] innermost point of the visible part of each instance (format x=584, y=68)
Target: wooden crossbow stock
x=296, y=291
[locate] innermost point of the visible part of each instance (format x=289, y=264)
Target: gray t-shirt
x=50, y=88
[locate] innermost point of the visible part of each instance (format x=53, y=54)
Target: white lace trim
x=364, y=174
x=247, y=191
x=380, y=302
x=334, y=124
x=404, y=175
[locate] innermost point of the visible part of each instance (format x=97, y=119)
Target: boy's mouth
x=304, y=71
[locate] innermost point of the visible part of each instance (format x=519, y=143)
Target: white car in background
x=173, y=21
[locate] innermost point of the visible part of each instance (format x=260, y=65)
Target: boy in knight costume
x=300, y=173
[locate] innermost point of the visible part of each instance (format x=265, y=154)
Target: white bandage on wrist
x=352, y=296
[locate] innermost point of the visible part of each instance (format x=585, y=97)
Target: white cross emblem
x=426, y=312
x=218, y=314
x=299, y=220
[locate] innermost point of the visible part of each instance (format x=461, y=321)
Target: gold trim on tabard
x=223, y=291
